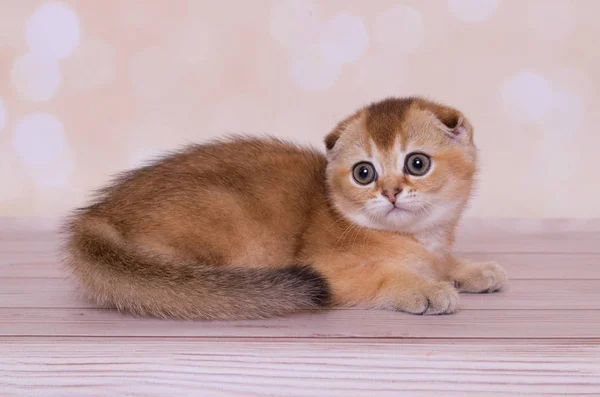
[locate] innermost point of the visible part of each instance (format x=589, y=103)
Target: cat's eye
x=417, y=164
x=364, y=173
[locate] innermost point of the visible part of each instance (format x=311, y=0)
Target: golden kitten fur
x=252, y=228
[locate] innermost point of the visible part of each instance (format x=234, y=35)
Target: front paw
x=480, y=277
x=437, y=298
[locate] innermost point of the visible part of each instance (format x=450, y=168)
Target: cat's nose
x=392, y=193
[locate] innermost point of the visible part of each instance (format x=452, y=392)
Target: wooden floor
x=541, y=336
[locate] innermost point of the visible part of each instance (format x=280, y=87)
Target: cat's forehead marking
x=369, y=146
x=376, y=155
x=391, y=159
x=399, y=155
x=385, y=122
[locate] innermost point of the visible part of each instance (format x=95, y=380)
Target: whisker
x=349, y=228
x=332, y=225
x=356, y=234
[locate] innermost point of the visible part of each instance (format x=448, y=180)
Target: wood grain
x=518, y=295
x=539, y=337
x=332, y=324
x=308, y=368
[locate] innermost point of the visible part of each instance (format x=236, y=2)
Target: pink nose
x=391, y=194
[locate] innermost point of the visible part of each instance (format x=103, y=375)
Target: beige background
x=88, y=88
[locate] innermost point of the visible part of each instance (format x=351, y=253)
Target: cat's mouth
x=399, y=209
x=404, y=207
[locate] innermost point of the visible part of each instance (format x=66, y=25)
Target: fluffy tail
x=113, y=274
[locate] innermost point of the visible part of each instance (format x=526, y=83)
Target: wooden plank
x=11, y=225
x=538, y=294
x=22, y=268
x=300, y=368
x=518, y=295
x=41, y=293
x=332, y=323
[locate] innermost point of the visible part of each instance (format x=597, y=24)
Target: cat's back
x=262, y=161
x=258, y=169
x=252, y=166
x=249, y=192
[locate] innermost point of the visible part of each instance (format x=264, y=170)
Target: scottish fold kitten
x=252, y=228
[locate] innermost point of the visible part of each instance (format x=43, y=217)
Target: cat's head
x=401, y=164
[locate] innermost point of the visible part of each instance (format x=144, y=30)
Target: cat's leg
x=477, y=277
x=390, y=287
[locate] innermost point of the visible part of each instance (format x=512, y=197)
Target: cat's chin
x=412, y=219
x=407, y=217
x=392, y=219
x=396, y=217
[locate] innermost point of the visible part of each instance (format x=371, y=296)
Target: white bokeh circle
x=527, y=96
x=551, y=20
x=39, y=139
x=3, y=116
x=39, y=142
x=319, y=48
x=92, y=65
x=53, y=30
x=35, y=77
x=313, y=71
x=399, y=29
x=343, y=39
x=56, y=175
x=472, y=10
x=294, y=23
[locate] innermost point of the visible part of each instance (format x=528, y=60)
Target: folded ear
x=455, y=124
x=459, y=128
x=332, y=138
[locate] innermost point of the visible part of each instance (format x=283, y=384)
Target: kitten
x=252, y=228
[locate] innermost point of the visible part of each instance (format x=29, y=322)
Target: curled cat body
x=253, y=228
